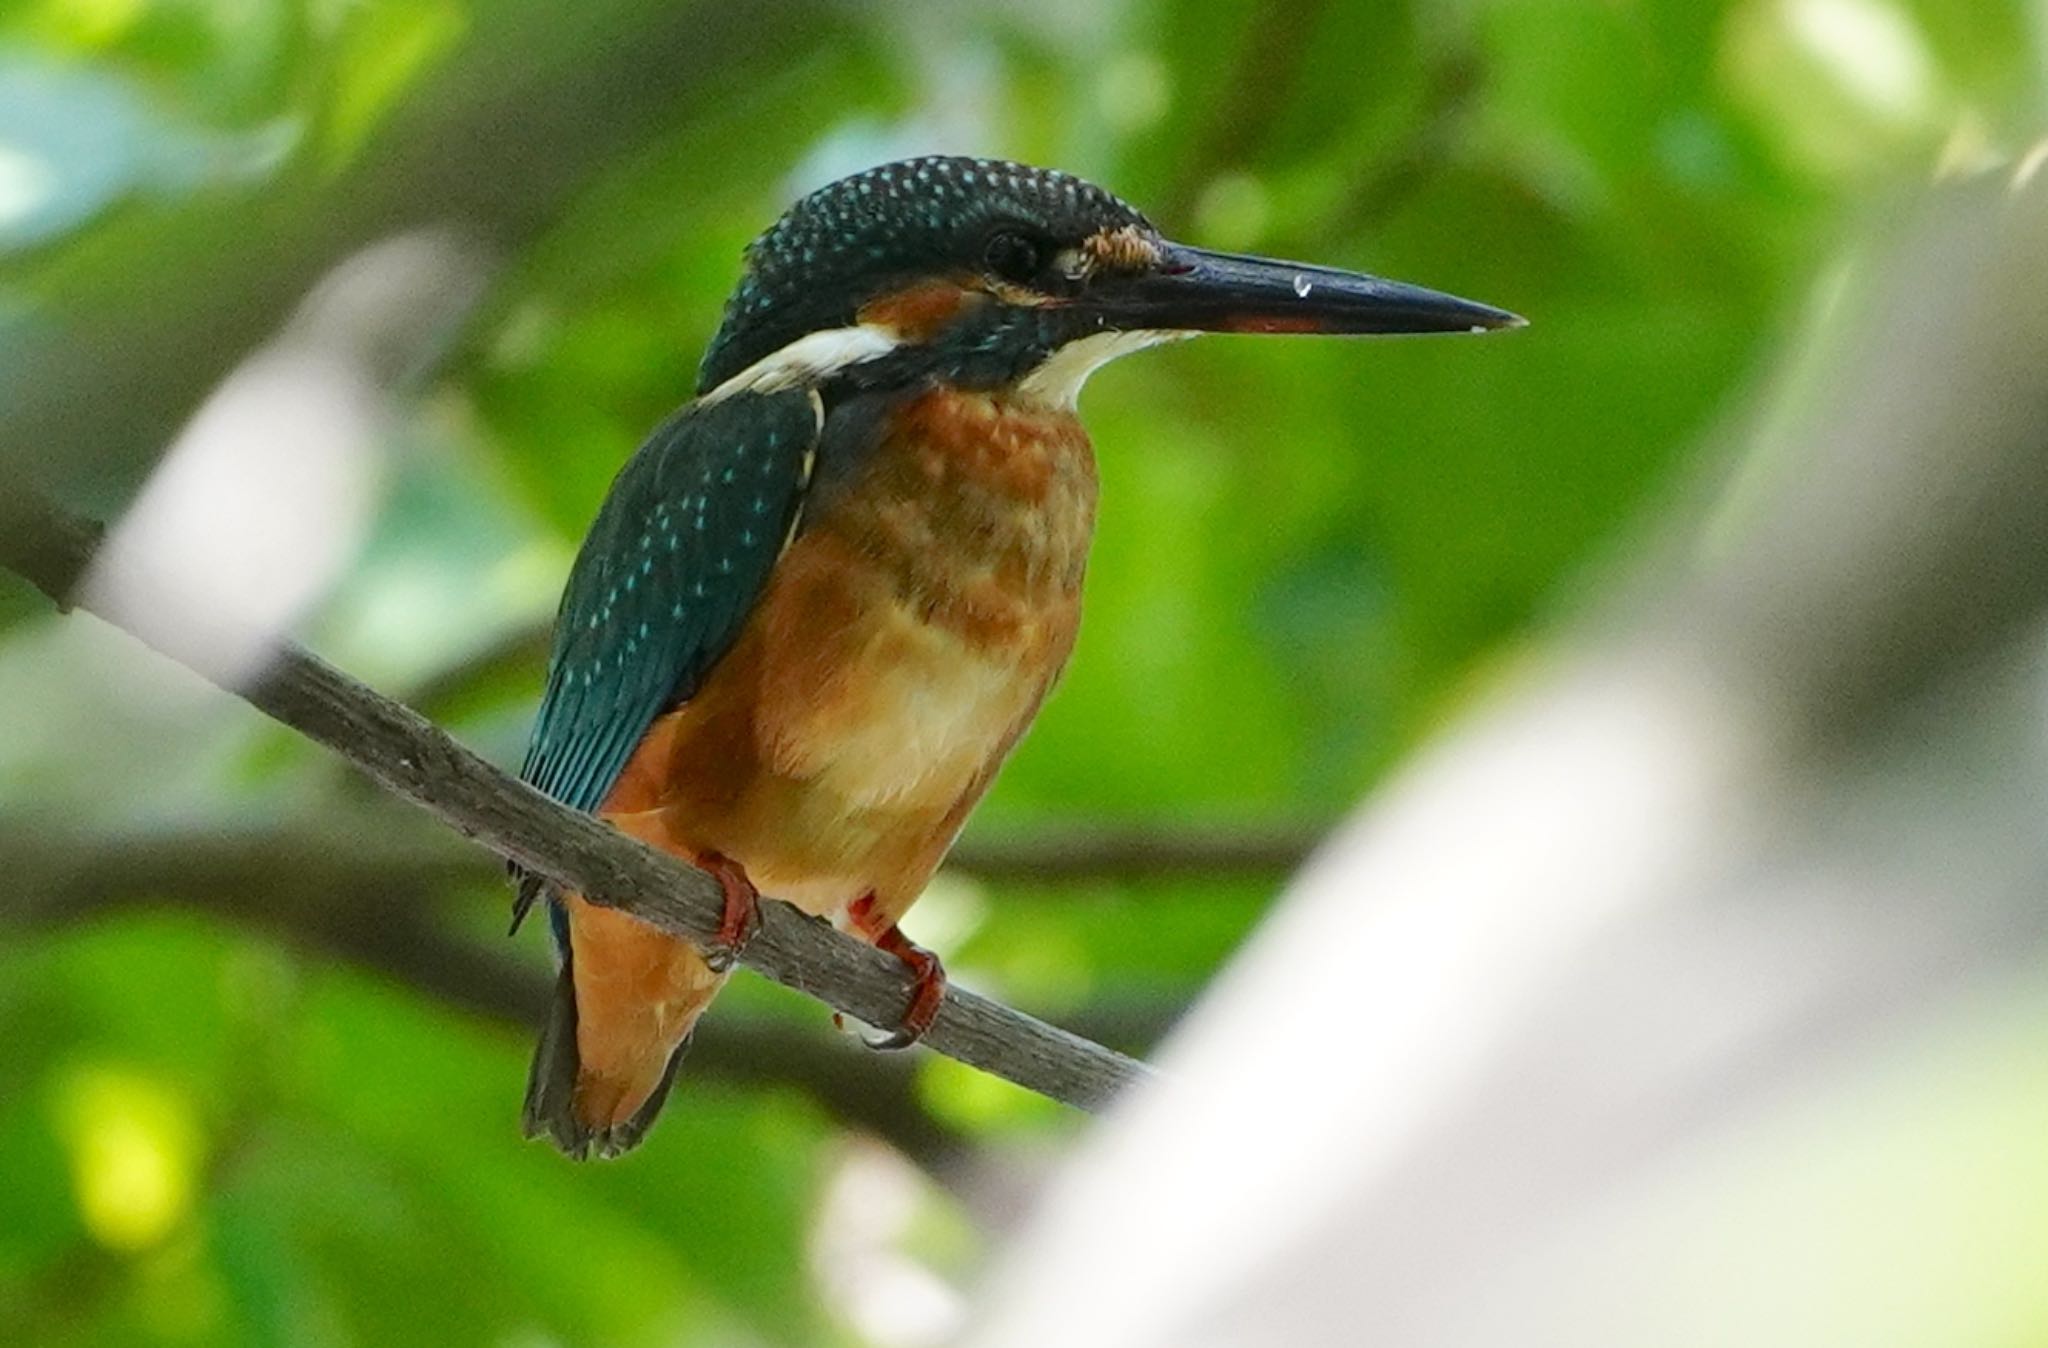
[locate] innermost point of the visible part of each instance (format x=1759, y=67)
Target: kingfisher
x=822, y=602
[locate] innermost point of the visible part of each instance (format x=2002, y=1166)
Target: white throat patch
x=809, y=359
x=1057, y=381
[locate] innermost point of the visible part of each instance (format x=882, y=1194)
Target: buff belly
x=903, y=644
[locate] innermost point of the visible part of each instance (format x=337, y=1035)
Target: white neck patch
x=816, y=356
x=809, y=359
x=1057, y=380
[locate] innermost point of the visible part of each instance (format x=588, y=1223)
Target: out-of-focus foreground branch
x=1755, y=829
x=419, y=762
x=510, y=127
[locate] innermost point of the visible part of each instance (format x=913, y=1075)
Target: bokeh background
x=261, y=1039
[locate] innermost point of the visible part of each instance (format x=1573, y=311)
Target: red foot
x=928, y=985
x=741, y=917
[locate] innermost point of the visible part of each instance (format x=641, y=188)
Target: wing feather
x=673, y=565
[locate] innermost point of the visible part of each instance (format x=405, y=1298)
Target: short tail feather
x=550, y=1110
x=527, y=889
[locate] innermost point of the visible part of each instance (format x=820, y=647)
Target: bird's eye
x=1013, y=256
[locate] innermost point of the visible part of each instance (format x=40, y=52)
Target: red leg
x=741, y=917
x=928, y=976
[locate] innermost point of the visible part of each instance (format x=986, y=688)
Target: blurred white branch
x=264, y=497
x=1760, y=818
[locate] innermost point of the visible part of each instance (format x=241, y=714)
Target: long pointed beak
x=1196, y=290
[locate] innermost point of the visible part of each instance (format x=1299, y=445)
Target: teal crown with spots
x=856, y=238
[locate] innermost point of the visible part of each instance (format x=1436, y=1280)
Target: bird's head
x=990, y=274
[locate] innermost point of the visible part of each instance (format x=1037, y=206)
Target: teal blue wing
x=675, y=562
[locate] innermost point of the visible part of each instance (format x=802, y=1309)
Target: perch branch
x=313, y=890
x=416, y=760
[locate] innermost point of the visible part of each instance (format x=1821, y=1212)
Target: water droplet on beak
x=1302, y=285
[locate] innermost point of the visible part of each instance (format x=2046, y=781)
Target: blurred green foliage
x=1311, y=554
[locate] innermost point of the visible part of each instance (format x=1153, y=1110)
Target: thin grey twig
x=416, y=760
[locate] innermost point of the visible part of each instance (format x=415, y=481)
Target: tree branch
x=362, y=893
x=312, y=897
x=508, y=131
x=419, y=762
x=365, y=851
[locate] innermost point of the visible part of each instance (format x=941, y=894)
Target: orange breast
x=902, y=645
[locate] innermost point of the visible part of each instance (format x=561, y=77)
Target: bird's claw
x=927, y=991
x=928, y=976
x=739, y=921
